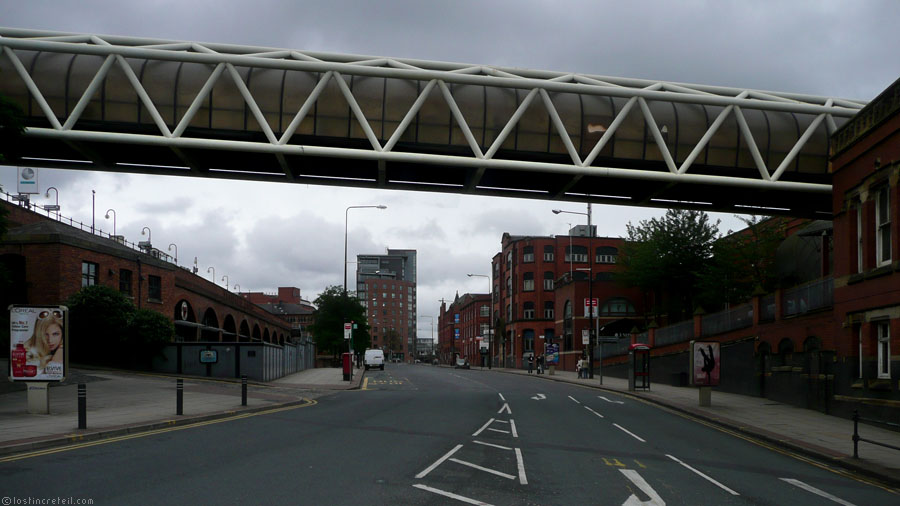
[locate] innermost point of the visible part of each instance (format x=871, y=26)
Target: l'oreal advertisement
x=37, y=339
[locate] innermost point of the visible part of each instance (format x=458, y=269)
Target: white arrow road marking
x=479, y=431
x=610, y=400
x=506, y=408
x=522, y=479
x=451, y=495
x=438, y=462
x=814, y=490
x=539, y=397
x=714, y=482
x=476, y=466
x=655, y=499
x=623, y=429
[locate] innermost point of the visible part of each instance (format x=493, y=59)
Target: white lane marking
x=438, y=462
x=594, y=412
x=814, y=490
x=501, y=421
x=623, y=429
x=522, y=479
x=477, y=432
x=512, y=424
x=493, y=445
x=498, y=430
x=451, y=495
x=609, y=400
x=476, y=466
x=539, y=397
x=505, y=407
x=501, y=397
x=655, y=499
x=576, y=401
x=714, y=482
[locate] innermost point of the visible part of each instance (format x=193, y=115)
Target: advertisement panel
x=38, y=339
x=706, y=363
x=551, y=356
x=28, y=181
x=456, y=333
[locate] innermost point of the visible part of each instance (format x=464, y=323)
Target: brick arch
x=229, y=327
x=266, y=337
x=245, y=332
x=184, y=311
x=178, y=313
x=209, y=320
x=257, y=336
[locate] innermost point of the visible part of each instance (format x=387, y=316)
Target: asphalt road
x=427, y=435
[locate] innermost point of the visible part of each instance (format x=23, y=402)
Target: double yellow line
x=76, y=446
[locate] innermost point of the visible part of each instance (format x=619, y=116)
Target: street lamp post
x=149, y=243
x=54, y=207
x=225, y=279
x=173, y=245
x=213, y=269
x=590, y=283
x=490, y=314
x=113, y=211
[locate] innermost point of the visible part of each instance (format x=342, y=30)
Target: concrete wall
x=257, y=361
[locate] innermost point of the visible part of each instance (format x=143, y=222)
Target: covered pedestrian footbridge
x=139, y=105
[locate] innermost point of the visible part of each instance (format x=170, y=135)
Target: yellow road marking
x=613, y=462
x=75, y=437
x=365, y=385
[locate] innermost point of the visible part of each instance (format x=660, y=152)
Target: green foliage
x=12, y=126
x=105, y=328
x=334, y=308
x=667, y=256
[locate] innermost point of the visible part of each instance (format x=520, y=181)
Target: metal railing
x=857, y=439
x=615, y=349
x=724, y=321
x=677, y=333
x=808, y=297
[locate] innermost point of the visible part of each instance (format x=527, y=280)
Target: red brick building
x=390, y=307
x=463, y=326
x=288, y=305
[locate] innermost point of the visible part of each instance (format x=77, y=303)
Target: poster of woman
x=38, y=339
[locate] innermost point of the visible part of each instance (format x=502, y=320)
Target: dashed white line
x=501, y=397
x=438, y=462
x=451, y=495
x=594, y=412
x=501, y=421
x=512, y=425
x=714, y=482
x=492, y=445
x=522, y=479
x=476, y=466
x=498, y=430
x=574, y=399
x=623, y=429
x=814, y=490
x=479, y=431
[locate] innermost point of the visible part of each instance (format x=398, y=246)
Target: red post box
x=345, y=361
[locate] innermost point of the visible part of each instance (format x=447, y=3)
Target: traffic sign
x=348, y=328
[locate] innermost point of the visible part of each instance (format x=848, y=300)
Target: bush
x=148, y=333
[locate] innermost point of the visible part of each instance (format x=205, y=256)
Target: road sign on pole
x=348, y=328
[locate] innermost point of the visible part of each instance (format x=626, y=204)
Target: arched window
x=606, y=255
x=617, y=306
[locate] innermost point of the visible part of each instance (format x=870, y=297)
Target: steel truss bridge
x=138, y=105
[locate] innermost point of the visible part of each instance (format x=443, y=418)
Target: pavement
x=125, y=402
x=811, y=433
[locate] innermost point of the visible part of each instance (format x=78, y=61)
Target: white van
x=374, y=358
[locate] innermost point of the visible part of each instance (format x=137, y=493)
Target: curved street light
x=173, y=245
x=113, y=211
x=237, y=288
x=213, y=269
x=149, y=234
x=53, y=207
x=225, y=279
x=590, y=281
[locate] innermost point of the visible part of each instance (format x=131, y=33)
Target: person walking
x=540, y=365
x=530, y=362
x=579, y=367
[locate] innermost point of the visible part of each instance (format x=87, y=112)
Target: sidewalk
x=824, y=437
x=125, y=402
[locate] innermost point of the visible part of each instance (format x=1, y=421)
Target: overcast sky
x=267, y=235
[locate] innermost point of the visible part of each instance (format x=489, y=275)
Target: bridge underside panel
x=175, y=108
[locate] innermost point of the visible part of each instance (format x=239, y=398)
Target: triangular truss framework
x=226, y=58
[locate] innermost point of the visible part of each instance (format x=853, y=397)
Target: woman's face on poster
x=54, y=336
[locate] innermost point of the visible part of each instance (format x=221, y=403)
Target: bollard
x=855, y=434
x=179, y=397
x=243, y=390
x=82, y=406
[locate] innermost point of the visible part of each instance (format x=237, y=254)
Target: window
x=883, y=226
x=89, y=274
x=528, y=310
x=883, y=332
x=548, y=253
x=528, y=340
x=859, y=237
x=508, y=312
x=606, y=255
x=528, y=281
x=576, y=254
x=548, y=310
x=548, y=280
x=485, y=311
x=508, y=284
x=485, y=329
x=617, y=307
x=154, y=290
x=508, y=258
x=528, y=254
x=567, y=326
x=125, y=282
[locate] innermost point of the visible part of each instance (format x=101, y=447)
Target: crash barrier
x=857, y=439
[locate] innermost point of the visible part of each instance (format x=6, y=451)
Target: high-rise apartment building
x=386, y=288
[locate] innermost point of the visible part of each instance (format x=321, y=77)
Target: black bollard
x=855, y=434
x=243, y=390
x=179, y=397
x=82, y=406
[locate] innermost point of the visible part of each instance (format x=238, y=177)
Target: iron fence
x=677, y=333
x=809, y=297
x=724, y=321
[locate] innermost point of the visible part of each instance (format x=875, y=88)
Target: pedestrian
x=530, y=362
x=540, y=365
x=579, y=368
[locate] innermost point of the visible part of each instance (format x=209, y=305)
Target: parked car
x=462, y=363
x=374, y=358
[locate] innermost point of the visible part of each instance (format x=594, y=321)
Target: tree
x=666, y=257
x=148, y=333
x=393, y=341
x=334, y=308
x=12, y=126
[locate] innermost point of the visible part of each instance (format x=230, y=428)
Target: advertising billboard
x=706, y=363
x=27, y=181
x=551, y=357
x=38, y=339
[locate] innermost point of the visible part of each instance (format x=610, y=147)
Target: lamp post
x=590, y=282
x=93, y=205
x=113, y=211
x=225, y=279
x=213, y=269
x=346, y=216
x=237, y=288
x=490, y=313
x=173, y=245
x=149, y=243
x=54, y=207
